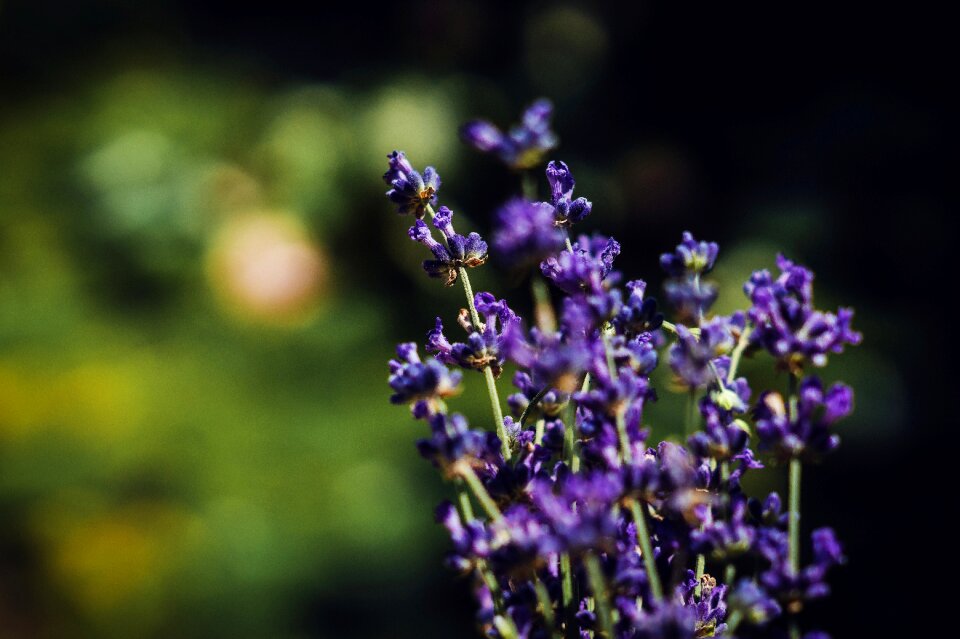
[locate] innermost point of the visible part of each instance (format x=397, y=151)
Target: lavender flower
x=809, y=433
x=524, y=145
x=526, y=232
x=639, y=314
x=793, y=588
x=410, y=191
x=586, y=528
x=423, y=384
x=566, y=210
x=786, y=323
x=685, y=289
x=460, y=251
x=483, y=347
x=691, y=356
x=585, y=268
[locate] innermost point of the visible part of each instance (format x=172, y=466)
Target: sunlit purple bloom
x=483, y=347
x=787, y=325
x=585, y=268
x=710, y=606
x=691, y=355
x=460, y=251
x=420, y=383
x=452, y=440
x=567, y=210
x=686, y=291
x=410, y=191
x=690, y=257
x=809, y=433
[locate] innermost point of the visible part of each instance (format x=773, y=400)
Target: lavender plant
x=584, y=527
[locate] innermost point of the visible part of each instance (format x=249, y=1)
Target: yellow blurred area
x=95, y=400
x=107, y=557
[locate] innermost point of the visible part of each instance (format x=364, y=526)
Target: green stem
x=533, y=404
x=538, y=433
x=566, y=592
x=671, y=327
x=543, y=312
x=701, y=565
x=599, y=587
x=741, y=346
x=730, y=572
x=793, y=502
x=570, y=437
x=528, y=185
x=506, y=627
x=466, y=508
x=479, y=491
x=646, y=548
x=546, y=605
x=793, y=522
x=487, y=372
x=621, y=417
x=733, y=621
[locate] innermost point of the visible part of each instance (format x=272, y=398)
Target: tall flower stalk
x=585, y=529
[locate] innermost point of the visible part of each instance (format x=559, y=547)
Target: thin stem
x=466, y=508
x=538, y=433
x=528, y=185
x=506, y=627
x=533, y=404
x=598, y=584
x=670, y=326
x=543, y=306
x=796, y=467
x=487, y=372
x=570, y=437
x=621, y=417
x=793, y=518
x=733, y=621
x=566, y=592
x=479, y=491
x=741, y=346
x=543, y=598
x=701, y=565
x=794, y=521
x=730, y=572
x=646, y=548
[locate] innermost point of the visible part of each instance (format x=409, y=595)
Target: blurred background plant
x=200, y=281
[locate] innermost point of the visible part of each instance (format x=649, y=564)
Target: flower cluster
x=524, y=145
x=569, y=522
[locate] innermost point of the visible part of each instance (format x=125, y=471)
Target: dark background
x=816, y=129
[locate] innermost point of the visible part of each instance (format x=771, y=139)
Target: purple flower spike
x=460, y=251
x=585, y=268
x=422, y=384
x=411, y=191
x=567, y=210
x=524, y=146
x=810, y=434
x=526, y=232
x=787, y=325
x=484, y=346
